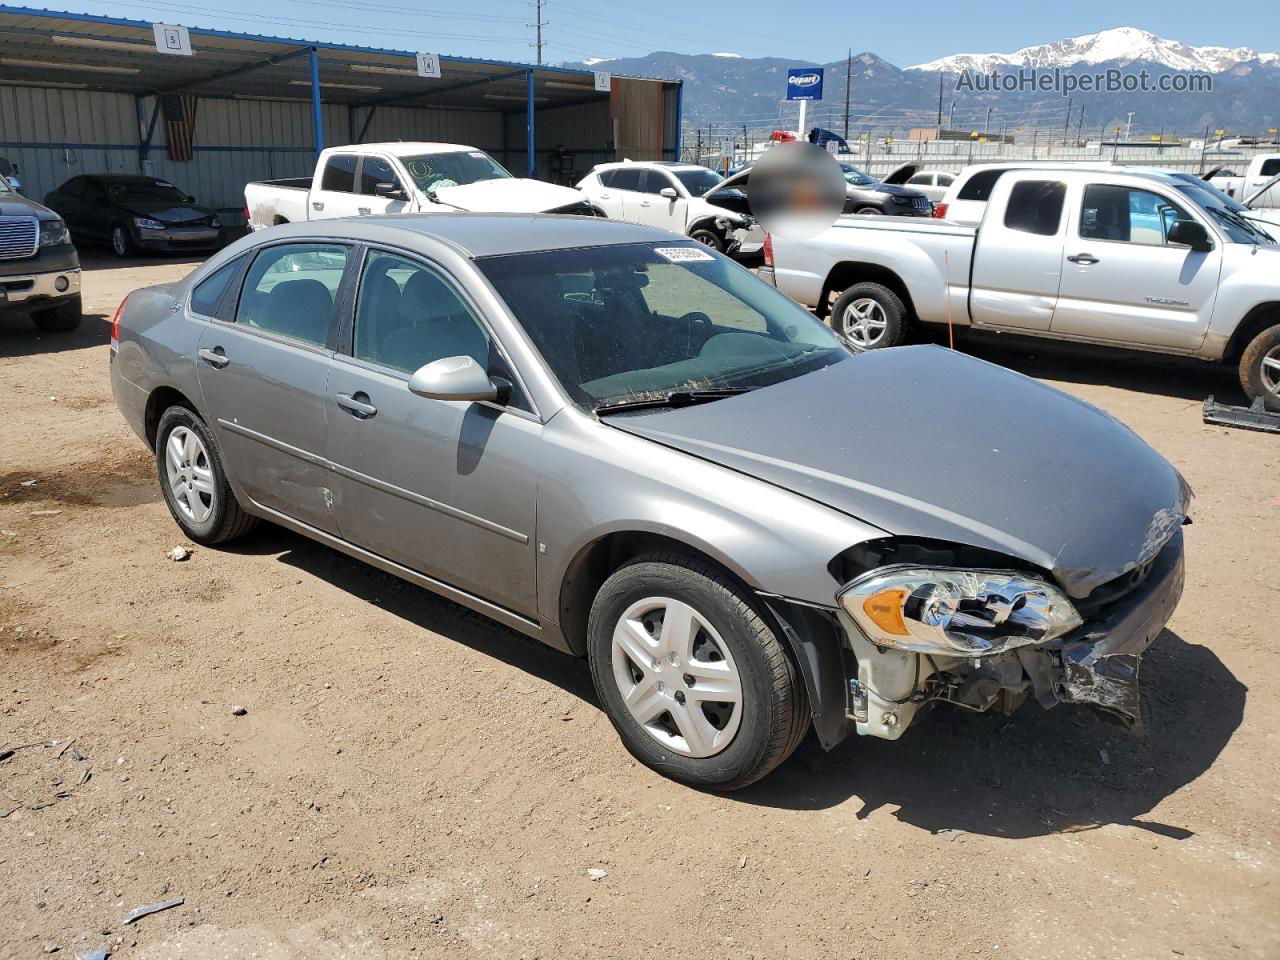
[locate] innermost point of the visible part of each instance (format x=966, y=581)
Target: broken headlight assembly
x=963, y=613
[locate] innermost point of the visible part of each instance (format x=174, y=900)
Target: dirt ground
x=410, y=780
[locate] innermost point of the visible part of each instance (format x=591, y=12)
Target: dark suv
x=865, y=194
x=39, y=268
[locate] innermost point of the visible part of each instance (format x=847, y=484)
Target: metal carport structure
x=79, y=91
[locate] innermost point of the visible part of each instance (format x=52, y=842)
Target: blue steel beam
x=529, y=129
x=317, y=115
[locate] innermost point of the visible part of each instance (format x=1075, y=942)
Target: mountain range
x=727, y=91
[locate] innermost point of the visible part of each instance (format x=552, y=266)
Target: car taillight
x=246, y=213
x=940, y=211
x=768, y=250
x=115, y=325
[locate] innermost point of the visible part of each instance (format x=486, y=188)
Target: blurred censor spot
x=796, y=190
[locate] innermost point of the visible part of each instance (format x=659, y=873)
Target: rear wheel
x=1260, y=368
x=63, y=318
x=870, y=316
x=694, y=680
x=194, y=481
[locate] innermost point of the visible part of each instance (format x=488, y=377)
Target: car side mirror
x=389, y=191
x=458, y=378
x=1192, y=234
x=669, y=193
x=191, y=198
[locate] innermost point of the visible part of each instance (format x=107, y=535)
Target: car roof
x=479, y=235
x=405, y=148
x=665, y=164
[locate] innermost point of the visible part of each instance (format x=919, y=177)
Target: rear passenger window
x=340, y=173
x=626, y=179
x=1035, y=206
x=1270, y=167
x=209, y=291
x=981, y=184
x=925, y=179
x=291, y=288
x=945, y=179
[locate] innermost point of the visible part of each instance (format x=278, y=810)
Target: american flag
x=179, y=124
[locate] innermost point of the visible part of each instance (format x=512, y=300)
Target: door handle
x=1083, y=258
x=363, y=211
x=604, y=196
x=645, y=203
x=357, y=405
x=317, y=205
x=215, y=357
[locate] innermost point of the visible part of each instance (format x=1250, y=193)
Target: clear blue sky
x=817, y=30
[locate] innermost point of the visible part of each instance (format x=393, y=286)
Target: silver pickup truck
x=1098, y=256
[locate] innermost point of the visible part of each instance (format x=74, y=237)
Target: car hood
x=510, y=195
x=166, y=211
x=12, y=205
x=924, y=442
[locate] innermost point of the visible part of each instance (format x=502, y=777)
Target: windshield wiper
x=674, y=399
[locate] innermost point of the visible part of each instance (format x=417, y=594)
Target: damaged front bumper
x=1096, y=665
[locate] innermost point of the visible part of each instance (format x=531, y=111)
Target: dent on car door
x=1122, y=281
x=447, y=488
x=264, y=377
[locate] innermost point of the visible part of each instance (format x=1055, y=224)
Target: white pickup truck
x=1098, y=256
x=376, y=178
x=1259, y=187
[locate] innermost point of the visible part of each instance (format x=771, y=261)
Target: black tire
x=227, y=519
x=122, y=242
x=891, y=308
x=870, y=211
x=774, y=708
x=708, y=238
x=1258, y=374
x=63, y=318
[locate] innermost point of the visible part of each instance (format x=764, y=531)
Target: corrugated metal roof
x=53, y=48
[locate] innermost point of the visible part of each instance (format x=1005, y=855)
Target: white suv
x=680, y=197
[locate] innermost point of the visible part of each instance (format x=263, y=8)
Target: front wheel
x=1260, y=368
x=694, y=680
x=63, y=318
x=194, y=481
x=122, y=244
x=870, y=316
x=708, y=238
x=870, y=211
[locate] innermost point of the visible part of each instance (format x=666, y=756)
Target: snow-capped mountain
x=1119, y=45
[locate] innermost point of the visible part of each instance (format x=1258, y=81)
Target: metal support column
x=144, y=142
x=680, y=119
x=532, y=165
x=317, y=116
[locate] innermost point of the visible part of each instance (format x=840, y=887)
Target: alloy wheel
x=1270, y=371
x=864, y=322
x=190, y=474
x=677, y=677
x=119, y=241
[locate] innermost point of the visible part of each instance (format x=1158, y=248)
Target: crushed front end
x=986, y=639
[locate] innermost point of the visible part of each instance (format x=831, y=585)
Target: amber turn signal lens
x=885, y=610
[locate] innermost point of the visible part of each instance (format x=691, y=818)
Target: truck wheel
x=63, y=318
x=695, y=682
x=122, y=244
x=1260, y=368
x=194, y=481
x=870, y=316
x=708, y=238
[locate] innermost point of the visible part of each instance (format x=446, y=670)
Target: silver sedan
x=624, y=445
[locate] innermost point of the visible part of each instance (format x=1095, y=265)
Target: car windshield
x=144, y=189
x=634, y=322
x=699, y=181
x=1226, y=213
x=858, y=178
x=435, y=170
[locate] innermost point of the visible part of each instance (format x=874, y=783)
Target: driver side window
x=1128, y=215
x=376, y=170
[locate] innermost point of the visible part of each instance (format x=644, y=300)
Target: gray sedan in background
x=624, y=445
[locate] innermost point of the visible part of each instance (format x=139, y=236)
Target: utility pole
x=848, y=83
x=538, y=25
x=951, y=117
x=1066, y=129
x=986, y=127
x=1128, y=126
x=1080, y=128
x=939, y=105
